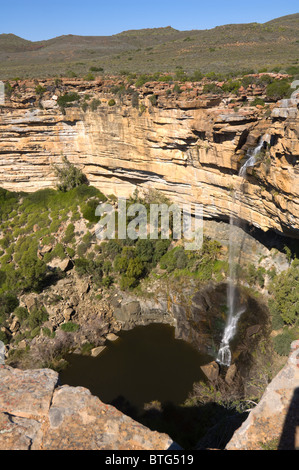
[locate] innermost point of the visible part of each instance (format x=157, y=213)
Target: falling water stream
x=235, y=311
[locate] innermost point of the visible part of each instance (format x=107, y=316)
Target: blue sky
x=36, y=20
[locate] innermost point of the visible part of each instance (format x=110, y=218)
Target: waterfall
x=251, y=160
x=2, y=354
x=224, y=353
x=234, y=312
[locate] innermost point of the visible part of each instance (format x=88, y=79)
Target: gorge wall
x=187, y=145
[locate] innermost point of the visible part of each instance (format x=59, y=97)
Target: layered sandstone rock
x=37, y=414
x=188, y=146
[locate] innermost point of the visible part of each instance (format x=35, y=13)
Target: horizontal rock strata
x=189, y=146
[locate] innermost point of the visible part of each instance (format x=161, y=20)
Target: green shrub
x=95, y=104
x=67, y=99
x=71, y=252
x=212, y=88
x=21, y=313
x=145, y=250
x=40, y=90
x=87, y=238
x=81, y=249
x=111, y=102
x=37, y=317
x=278, y=90
x=89, y=267
x=127, y=283
x=8, y=89
x=142, y=80
x=231, y=86
x=70, y=327
x=107, y=266
x=161, y=247
x=196, y=76
x=177, y=89
x=135, y=268
x=154, y=100
x=174, y=259
x=111, y=248
x=47, y=332
x=96, y=69
x=285, y=294
x=3, y=337
x=35, y=332
x=54, y=226
x=88, y=210
x=107, y=281
x=8, y=303
x=58, y=252
x=282, y=343
x=135, y=100
x=86, y=349
x=69, y=176
x=121, y=264
x=2, y=277
x=256, y=275
x=69, y=234
x=258, y=101
x=89, y=77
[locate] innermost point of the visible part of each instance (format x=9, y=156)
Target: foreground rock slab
x=274, y=422
x=37, y=414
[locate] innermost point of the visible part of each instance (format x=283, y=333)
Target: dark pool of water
x=144, y=364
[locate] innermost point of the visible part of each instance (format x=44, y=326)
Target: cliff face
x=188, y=146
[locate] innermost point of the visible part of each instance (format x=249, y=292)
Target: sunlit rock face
x=273, y=420
x=188, y=147
x=37, y=414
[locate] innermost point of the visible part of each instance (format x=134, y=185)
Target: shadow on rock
x=191, y=427
x=289, y=439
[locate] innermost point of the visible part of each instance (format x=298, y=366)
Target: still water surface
x=144, y=364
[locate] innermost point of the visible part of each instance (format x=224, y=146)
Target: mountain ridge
x=224, y=48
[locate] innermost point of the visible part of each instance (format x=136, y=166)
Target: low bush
x=278, y=90
x=69, y=176
x=37, y=317
x=282, y=342
x=284, y=290
x=68, y=99
x=70, y=327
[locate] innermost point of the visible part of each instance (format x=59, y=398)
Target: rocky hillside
x=226, y=48
x=188, y=141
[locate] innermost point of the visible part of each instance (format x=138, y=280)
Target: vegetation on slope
x=222, y=49
x=49, y=218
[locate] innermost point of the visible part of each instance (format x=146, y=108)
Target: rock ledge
x=38, y=414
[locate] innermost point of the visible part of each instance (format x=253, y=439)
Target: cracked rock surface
x=37, y=414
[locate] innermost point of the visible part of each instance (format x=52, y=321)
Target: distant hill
x=9, y=43
x=226, y=48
